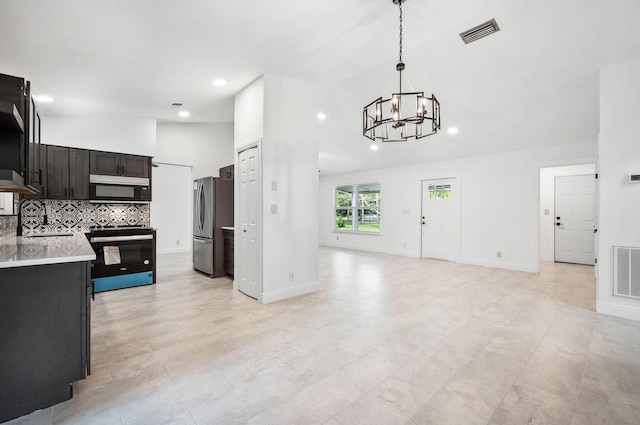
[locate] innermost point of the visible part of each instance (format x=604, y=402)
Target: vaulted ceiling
x=534, y=83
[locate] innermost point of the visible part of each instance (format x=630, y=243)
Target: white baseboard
x=500, y=264
x=465, y=260
x=617, y=310
x=283, y=294
x=370, y=249
x=547, y=258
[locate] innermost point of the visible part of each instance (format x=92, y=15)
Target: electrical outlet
x=404, y=244
x=291, y=276
x=499, y=254
x=274, y=186
x=178, y=242
x=337, y=238
x=274, y=209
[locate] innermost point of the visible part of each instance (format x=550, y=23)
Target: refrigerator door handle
x=202, y=208
x=207, y=241
x=198, y=208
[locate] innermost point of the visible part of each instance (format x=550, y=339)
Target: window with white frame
x=358, y=208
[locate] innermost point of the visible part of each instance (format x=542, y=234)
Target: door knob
x=558, y=224
x=424, y=222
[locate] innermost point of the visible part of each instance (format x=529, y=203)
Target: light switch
x=274, y=209
x=546, y=212
x=274, y=186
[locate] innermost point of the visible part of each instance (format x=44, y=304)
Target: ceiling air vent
x=482, y=30
x=176, y=105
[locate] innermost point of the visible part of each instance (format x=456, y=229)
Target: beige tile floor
x=386, y=340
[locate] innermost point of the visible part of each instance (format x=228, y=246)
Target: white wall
x=125, y=135
x=547, y=202
x=249, y=113
x=619, y=201
x=499, y=205
x=171, y=208
x=205, y=147
x=288, y=130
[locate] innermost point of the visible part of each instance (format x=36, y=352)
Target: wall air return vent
x=626, y=271
x=482, y=30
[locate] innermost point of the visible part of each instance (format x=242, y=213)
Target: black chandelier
x=402, y=116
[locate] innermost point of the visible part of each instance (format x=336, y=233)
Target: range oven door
x=120, y=255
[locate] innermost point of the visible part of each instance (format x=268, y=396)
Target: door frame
x=537, y=167
x=255, y=143
x=458, y=211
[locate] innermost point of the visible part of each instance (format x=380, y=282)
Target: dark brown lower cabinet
x=228, y=251
x=45, y=326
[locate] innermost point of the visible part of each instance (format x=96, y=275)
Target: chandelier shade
x=403, y=115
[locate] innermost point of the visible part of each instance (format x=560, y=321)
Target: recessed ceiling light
x=322, y=116
x=43, y=99
x=452, y=130
x=219, y=82
x=184, y=114
x=374, y=147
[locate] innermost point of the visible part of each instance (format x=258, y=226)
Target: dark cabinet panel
x=105, y=163
x=35, y=149
x=228, y=251
x=78, y=173
x=119, y=164
x=67, y=173
x=57, y=172
x=45, y=332
x=226, y=173
x=135, y=166
x=19, y=136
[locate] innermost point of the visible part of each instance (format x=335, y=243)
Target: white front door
x=575, y=213
x=440, y=219
x=248, y=267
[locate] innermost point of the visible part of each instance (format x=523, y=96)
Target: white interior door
x=575, y=212
x=441, y=219
x=248, y=268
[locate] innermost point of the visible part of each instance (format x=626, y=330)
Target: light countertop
x=227, y=228
x=22, y=251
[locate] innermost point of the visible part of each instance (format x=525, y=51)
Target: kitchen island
x=45, y=310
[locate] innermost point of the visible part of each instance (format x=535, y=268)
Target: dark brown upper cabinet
x=67, y=173
x=19, y=137
x=119, y=164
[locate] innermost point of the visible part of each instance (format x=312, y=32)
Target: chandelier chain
x=400, y=4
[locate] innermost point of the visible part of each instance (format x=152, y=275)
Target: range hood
x=10, y=181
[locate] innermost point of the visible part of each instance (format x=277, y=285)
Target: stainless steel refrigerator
x=212, y=210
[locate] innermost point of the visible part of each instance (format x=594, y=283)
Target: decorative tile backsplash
x=79, y=216
x=8, y=226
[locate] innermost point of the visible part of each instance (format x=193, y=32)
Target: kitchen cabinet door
x=134, y=165
x=78, y=173
x=57, y=172
x=227, y=172
x=105, y=163
x=119, y=164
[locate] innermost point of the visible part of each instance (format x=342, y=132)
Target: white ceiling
x=534, y=83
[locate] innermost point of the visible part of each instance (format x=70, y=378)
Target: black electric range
x=125, y=256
